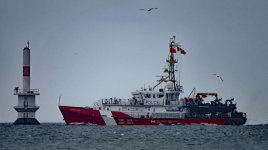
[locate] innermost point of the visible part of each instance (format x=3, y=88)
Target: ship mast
x=171, y=63
x=171, y=66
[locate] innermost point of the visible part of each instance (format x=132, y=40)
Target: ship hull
x=80, y=115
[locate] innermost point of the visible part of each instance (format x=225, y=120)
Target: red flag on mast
x=183, y=52
x=172, y=50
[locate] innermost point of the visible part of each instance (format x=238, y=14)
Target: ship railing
x=127, y=102
x=156, y=115
x=168, y=115
x=115, y=101
x=132, y=102
x=136, y=114
x=26, y=91
x=223, y=115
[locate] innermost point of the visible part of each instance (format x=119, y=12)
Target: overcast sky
x=86, y=50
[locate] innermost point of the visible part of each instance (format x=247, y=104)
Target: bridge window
x=147, y=96
x=171, y=96
x=168, y=96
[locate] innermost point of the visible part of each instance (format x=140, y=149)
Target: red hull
x=74, y=115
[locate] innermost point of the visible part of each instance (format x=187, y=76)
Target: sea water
x=61, y=136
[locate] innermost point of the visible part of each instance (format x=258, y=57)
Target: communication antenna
x=177, y=67
x=59, y=100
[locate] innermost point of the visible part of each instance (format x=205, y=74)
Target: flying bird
x=148, y=9
x=218, y=76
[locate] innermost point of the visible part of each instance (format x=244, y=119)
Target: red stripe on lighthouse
x=26, y=70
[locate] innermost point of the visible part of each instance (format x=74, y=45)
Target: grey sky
x=92, y=49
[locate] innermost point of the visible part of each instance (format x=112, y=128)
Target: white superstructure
x=152, y=102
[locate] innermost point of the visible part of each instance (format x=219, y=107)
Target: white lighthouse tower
x=26, y=107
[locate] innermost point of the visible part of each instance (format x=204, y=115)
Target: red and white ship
x=156, y=106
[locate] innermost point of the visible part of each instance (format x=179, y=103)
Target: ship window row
x=172, y=96
x=153, y=95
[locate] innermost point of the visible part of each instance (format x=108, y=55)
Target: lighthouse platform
x=26, y=106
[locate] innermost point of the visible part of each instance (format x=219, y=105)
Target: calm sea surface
x=61, y=136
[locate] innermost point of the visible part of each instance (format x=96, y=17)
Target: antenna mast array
x=171, y=61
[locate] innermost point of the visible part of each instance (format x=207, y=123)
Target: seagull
x=148, y=9
x=218, y=76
